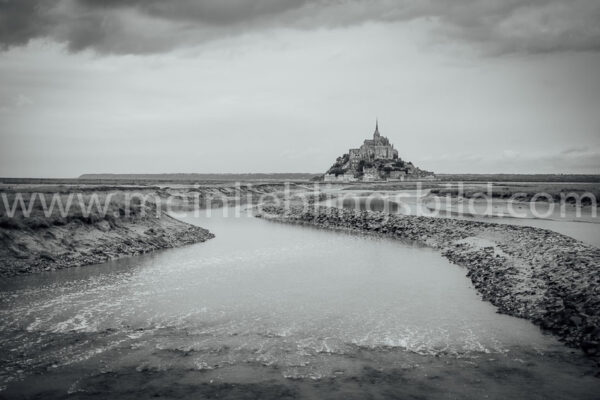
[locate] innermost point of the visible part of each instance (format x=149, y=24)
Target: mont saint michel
x=375, y=160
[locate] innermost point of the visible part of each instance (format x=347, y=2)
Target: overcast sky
x=132, y=86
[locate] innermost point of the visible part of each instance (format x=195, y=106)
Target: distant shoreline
x=522, y=178
x=204, y=176
x=102, y=178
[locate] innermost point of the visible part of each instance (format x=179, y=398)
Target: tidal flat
x=374, y=305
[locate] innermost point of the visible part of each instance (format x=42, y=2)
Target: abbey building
x=375, y=160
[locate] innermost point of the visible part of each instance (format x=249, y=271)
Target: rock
x=591, y=347
x=575, y=320
x=103, y=226
x=44, y=255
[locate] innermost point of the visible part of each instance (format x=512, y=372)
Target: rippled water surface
x=279, y=309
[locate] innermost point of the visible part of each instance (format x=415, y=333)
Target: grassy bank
x=93, y=226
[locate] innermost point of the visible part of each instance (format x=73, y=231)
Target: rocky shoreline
x=76, y=242
x=543, y=276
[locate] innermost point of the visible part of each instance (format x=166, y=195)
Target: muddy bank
x=187, y=198
x=41, y=242
x=105, y=222
x=418, y=377
x=527, y=272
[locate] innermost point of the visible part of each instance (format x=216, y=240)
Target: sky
x=132, y=86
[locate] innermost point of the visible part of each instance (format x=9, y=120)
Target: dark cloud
x=228, y=12
x=144, y=26
x=23, y=20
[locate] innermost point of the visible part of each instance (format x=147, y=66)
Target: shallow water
x=585, y=227
x=284, y=311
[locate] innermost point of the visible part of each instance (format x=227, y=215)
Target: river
x=267, y=310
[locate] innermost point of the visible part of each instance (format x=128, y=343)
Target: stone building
x=370, y=174
x=372, y=149
x=397, y=175
x=375, y=160
x=347, y=177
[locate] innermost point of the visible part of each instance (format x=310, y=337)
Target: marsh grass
x=38, y=210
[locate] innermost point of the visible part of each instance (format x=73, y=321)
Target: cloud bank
x=153, y=26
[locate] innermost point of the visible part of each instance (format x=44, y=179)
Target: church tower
x=376, y=134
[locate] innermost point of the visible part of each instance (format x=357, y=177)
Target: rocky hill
x=375, y=160
x=380, y=169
